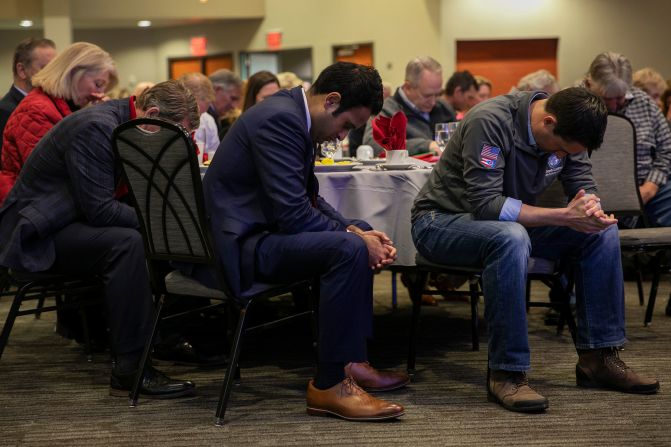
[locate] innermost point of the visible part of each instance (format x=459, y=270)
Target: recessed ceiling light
x=26, y=23
x=144, y=23
x=203, y=1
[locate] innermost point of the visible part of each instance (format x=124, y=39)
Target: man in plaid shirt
x=610, y=77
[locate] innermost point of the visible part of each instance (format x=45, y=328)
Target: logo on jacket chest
x=554, y=165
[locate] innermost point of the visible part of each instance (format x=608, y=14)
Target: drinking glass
x=442, y=135
x=329, y=148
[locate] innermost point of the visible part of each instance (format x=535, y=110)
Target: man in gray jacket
x=418, y=99
x=478, y=209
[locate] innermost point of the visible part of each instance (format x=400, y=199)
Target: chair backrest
x=161, y=169
x=614, y=168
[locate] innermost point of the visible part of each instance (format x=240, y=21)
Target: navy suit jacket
x=262, y=181
x=70, y=176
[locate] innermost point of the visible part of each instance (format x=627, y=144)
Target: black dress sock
x=329, y=374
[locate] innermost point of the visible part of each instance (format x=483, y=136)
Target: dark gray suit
x=62, y=215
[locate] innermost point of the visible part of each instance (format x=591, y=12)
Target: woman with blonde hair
x=78, y=76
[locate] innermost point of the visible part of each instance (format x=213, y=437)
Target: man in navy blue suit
x=270, y=224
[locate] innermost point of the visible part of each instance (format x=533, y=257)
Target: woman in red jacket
x=78, y=76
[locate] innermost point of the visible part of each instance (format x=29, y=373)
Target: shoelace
x=520, y=379
x=612, y=357
x=349, y=386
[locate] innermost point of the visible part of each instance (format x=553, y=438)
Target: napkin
x=390, y=132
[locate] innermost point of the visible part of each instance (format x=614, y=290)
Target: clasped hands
x=381, y=251
x=585, y=214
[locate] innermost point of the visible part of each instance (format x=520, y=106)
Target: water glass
x=329, y=148
x=442, y=135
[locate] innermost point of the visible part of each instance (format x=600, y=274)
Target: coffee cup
x=397, y=156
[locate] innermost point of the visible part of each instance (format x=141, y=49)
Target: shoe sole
x=125, y=393
x=217, y=365
x=583, y=381
x=531, y=408
x=326, y=413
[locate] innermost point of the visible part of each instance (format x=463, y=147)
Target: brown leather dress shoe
x=511, y=390
x=602, y=368
x=370, y=379
x=346, y=400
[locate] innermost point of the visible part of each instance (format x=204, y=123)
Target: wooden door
x=504, y=62
x=360, y=53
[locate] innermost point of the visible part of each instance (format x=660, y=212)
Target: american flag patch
x=488, y=155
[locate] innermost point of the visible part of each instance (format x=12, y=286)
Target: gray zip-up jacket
x=491, y=158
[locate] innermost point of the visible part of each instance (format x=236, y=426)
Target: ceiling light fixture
x=26, y=23
x=144, y=23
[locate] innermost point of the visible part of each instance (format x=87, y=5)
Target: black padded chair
x=162, y=173
x=34, y=288
x=614, y=169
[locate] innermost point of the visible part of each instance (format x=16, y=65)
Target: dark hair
x=666, y=101
x=358, y=85
x=254, y=84
x=581, y=116
x=24, y=51
x=463, y=79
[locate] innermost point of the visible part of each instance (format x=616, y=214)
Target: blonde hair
x=647, y=79
x=481, y=80
x=611, y=72
x=174, y=100
x=289, y=80
x=200, y=85
x=61, y=76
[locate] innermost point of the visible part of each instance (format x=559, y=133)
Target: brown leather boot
x=511, y=390
x=602, y=368
x=371, y=379
x=346, y=400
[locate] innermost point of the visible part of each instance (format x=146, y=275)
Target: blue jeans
x=659, y=208
x=502, y=249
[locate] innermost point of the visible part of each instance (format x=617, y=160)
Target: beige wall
x=399, y=29
x=585, y=28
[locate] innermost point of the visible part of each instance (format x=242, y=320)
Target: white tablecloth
x=381, y=198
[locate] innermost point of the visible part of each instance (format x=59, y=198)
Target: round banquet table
x=381, y=198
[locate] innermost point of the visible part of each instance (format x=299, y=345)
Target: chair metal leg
x=415, y=290
x=475, y=297
x=11, y=317
x=232, y=366
x=528, y=295
x=394, y=295
x=639, y=286
x=144, y=361
x=40, y=305
x=87, y=335
x=653, y=293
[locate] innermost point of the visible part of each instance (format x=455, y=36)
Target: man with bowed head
x=271, y=225
x=478, y=209
x=62, y=215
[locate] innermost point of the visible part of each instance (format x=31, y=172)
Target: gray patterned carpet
x=50, y=395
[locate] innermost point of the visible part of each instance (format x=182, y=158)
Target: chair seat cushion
x=537, y=266
x=639, y=238
x=177, y=283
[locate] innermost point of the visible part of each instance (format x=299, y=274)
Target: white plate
x=372, y=161
x=336, y=167
x=397, y=167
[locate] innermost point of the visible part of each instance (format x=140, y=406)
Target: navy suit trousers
x=340, y=260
